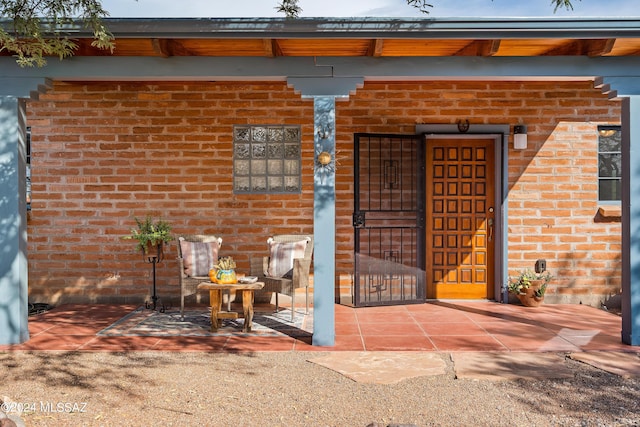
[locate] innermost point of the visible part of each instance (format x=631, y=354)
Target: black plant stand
x=154, y=257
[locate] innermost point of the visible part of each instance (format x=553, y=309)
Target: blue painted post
x=631, y=220
x=324, y=223
x=14, y=311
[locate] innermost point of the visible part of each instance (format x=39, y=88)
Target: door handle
x=358, y=219
x=490, y=224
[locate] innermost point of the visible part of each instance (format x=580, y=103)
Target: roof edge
x=489, y=28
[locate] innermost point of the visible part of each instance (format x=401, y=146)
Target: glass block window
x=266, y=159
x=609, y=163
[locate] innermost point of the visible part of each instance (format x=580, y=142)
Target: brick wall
x=106, y=152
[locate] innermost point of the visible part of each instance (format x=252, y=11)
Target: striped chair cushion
x=199, y=257
x=282, y=255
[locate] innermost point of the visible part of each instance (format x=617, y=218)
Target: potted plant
x=150, y=234
x=529, y=286
x=225, y=270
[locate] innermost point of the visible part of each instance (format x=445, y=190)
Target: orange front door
x=460, y=217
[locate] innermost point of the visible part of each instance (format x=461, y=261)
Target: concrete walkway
x=393, y=367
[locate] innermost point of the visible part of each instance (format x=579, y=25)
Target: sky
x=367, y=8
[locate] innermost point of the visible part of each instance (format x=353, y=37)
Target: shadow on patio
x=434, y=326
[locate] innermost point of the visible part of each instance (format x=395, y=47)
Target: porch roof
x=365, y=37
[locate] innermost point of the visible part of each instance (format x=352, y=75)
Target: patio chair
x=196, y=255
x=286, y=268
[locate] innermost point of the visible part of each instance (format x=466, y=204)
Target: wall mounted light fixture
x=520, y=137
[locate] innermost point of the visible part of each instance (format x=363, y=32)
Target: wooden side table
x=215, y=295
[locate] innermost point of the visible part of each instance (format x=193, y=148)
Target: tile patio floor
x=435, y=326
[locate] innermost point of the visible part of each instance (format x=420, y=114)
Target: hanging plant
x=150, y=233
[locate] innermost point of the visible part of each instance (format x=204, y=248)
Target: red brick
x=166, y=148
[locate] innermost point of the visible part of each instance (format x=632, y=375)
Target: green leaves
x=421, y=5
x=562, y=3
x=290, y=8
x=524, y=279
x=150, y=232
x=44, y=28
x=226, y=263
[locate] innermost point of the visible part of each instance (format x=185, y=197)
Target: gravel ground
x=284, y=389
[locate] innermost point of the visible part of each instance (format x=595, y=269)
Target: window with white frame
x=266, y=159
x=609, y=163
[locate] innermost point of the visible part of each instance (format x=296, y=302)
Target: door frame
x=500, y=136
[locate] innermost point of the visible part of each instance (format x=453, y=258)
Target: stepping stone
x=382, y=367
x=509, y=366
x=626, y=365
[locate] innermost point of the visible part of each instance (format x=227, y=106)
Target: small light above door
x=520, y=137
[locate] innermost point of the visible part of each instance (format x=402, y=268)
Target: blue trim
x=630, y=221
x=326, y=86
x=505, y=214
x=618, y=70
x=21, y=87
x=622, y=86
x=375, y=27
x=14, y=310
x=324, y=224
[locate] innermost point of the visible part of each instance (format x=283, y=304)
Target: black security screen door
x=389, y=219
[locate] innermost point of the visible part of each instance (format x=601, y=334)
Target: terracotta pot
x=528, y=297
x=153, y=251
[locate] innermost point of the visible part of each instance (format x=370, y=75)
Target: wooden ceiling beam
x=371, y=47
x=272, y=48
x=479, y=48
x=170, y=47
x=83, y=48
x=632, y=52
x=268, y=47
x=599, y=47
x=162, y=47
x=376, y=47
x=590, y=47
